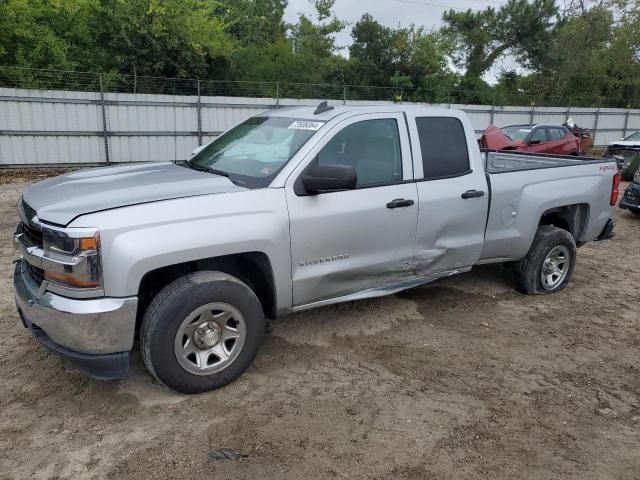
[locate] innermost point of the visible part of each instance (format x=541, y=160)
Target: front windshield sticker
x=305, y=125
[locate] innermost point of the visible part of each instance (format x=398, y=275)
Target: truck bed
x=523, y=186
x=505, y=161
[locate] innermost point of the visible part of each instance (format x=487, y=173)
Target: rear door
x=453, y=196
x=555, y=136
x=563, y=142
x=355, y=242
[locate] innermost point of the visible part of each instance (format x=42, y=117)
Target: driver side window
x=372, y=147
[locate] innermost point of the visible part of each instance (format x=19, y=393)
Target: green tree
x=265, y=52
x=371, y=53
x=593, y=60
x=165, y=37
x=408, y=59
x=522, y=29
x=45, y=34
x=314, y=44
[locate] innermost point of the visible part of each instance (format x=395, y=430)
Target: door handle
x=473, y=194
x=399, y=202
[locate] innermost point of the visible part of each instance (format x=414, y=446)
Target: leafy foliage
x=588, y=53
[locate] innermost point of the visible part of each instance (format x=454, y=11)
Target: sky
x=391, y=13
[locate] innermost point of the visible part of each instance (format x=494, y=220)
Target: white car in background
x=626, y=152
x=632, y=140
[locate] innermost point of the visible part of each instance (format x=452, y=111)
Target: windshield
x=252, y=153
x=518, y=132
x=633, y=137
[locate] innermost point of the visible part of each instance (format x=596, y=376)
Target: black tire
x=527, y=272
x=178, y=300
x=635, y=211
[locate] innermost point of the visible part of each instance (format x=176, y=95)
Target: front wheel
x=549, y=263
x=201, y=332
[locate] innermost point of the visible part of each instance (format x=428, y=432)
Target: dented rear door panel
x=450, y=228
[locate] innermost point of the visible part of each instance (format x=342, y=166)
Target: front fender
x=138, y=239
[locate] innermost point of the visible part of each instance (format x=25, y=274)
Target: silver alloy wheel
x=210, y=338
x=555, y=267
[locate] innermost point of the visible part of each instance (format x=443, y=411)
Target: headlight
x=636, y=176
x=72, y=258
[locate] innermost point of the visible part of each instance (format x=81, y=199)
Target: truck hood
x=494, y=139
x=61, y=199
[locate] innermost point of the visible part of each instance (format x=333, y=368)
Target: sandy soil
x=463, y=378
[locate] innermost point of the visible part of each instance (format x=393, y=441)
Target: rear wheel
x=201, y=332
x=549, y=264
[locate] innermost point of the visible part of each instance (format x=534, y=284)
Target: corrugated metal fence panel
x=550, y=115
x=75, y=115
x=611, y=122
x=41, y=114
x=40, y=127
x=43, y=150
x=634, y=121
x=512, y=116
x=149, y=127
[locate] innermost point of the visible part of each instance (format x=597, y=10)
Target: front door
x=356, y=242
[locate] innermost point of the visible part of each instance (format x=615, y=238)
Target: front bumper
x=631, y=198
x=95, y=334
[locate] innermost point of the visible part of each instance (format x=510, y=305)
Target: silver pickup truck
x=291, y=209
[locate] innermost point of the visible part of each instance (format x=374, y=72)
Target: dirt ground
x=464, y=378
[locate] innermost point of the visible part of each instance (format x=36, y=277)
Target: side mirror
x=534, y=142
x=330, y=178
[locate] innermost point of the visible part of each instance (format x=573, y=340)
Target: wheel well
x=253, y=268
x=572, y=218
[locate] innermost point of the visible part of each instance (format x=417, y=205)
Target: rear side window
x=444, y=147
x=556, y=133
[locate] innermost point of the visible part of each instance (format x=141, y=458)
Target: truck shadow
x=321, y=326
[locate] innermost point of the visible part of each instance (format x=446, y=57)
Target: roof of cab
x=307, y=112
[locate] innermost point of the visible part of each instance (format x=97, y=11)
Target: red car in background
x=555, y=139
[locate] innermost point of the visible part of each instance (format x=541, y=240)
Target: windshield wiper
x=193, y=166
x=215, y=171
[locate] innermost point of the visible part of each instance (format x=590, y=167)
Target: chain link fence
x=24, y=78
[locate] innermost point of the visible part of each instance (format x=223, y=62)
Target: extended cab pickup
x=289, y=210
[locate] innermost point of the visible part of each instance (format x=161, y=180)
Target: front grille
x=28, y=211
x=28, y=227
x=32, y=233
x=37, y=274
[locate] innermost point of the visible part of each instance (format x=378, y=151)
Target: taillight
x=615, y=189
